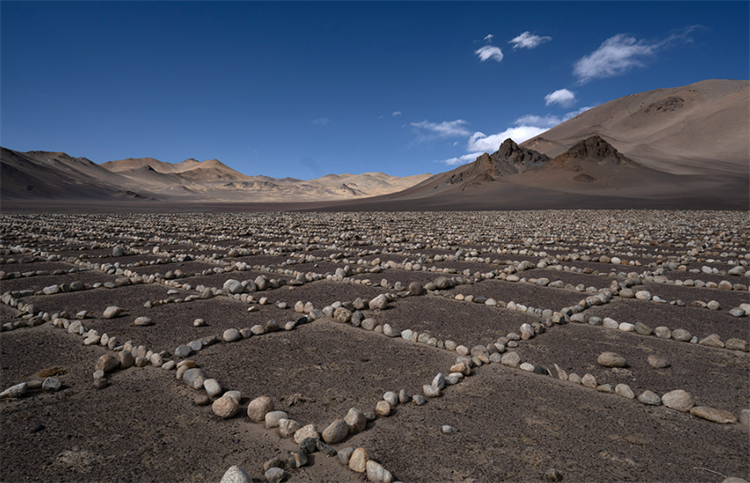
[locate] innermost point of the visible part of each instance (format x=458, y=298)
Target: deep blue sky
x=307, y=89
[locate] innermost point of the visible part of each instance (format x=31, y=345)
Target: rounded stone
x=611, y=359
x=383, y=408
x=678, y=399
x=287, y=427
x=308, y=431
x=650, y=398
x=358, y=460
x=231, y=335
x=107, y=363
x=355, y=420
x=273, y=418
x=225, y=407
x=258, y=408
x=336, y=431
x=212, y=387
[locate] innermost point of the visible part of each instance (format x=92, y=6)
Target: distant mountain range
x=686, y=147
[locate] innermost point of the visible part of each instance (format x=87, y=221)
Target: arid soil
x=370, y=303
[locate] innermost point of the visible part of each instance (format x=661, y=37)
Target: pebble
x=344, y=455
x=225, y=407
x=657, y=362
x=438, y=382
x=258, y=408
x=392, y=398
x=112, y=311
x=273, y=418
x=275, y=475
x=194, y=378
x=624, y=391
x=663, y=332
x=430, y=391
x=678, y=399
x=358, y=460
x=553, y=475
x=183, y=351
x=231, y=335
x=337, y=431
x=52, y=384
x=650, y=398
x=419, y=399
x=511, y=359
x=143, y=321
x=383, y=408
x=100, y=383
x=212, y=387
x=308, y=431
x=202, y=400
x=377, y=473
x=682, y=335
x=611, y=359
x=15, y=391
x=714, y=415
x=589, y=380
x=235, y=474
x=287, y=427
x=712, y=340
x=643, y=329
x=447, y=429
x=107, y=363
x=403, y=396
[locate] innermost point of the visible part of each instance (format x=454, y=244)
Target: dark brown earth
x=512, y=425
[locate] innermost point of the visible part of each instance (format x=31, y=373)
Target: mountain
x=38, y=176
x=700, y=129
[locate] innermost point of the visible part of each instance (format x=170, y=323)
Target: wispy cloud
x=443, y=129
x=466, y=158
x=489, y=37
x=489, y=52
x=397, y=113
x=563, y=97
x=527, y=40
x=321, y=122
x=620, y=53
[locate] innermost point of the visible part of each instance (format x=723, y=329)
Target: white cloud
x=397, y=113
x=489, y=144
x=547, y=121
x=489, y=52
x=488, y=37
x=527, y=40
x=466, y=158
x=621, y=53
x=444, y=129
x=563, y=97
x=322, y=121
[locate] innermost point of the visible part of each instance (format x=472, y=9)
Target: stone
x=183, y=351
x=358, y=460
x=643, y=295
x=736, y=345
x=589, y=380
x=403, y=396
x=232, y=286
x=682, y=335
x=713, y=304
x=419, y=399
x=274, y=462
x=430, y=391
x=258, y=408
x=308, y=445
x=678, y=399
x=231, y=335
x=610, y=359
x=574, y=378
x=663, y=332
x=15, y=391
x=745, y=417
x=642, y=328
x=447, y=429
x=462, y=350
x=287, y=427
x=511, y=359
x=439, y=381
x=112, y=312
x=650, y=398
x=527, y=367
x=212, y=387
x=52, y=384
x=377, y=474
x=712, y=340
x=225, y=407
x=297, y=459
x=342, y=315
x=392, y=398
x=275, y=475
x=345, y=454
x=714, y=415
x=736, y=312
x=107, y=363
x=273, y=418
x=416, y=288
x=308, y=431
x=553, y=475
x=194, y=378
x=526, y=332
x=202, y=400
x=236, y=474
x=481, y=352
x=143, y=321
x=624, y=391
x=657, y=362
x=100, y=383
x=336, y=432
x=118, y=251
x=378, y=303
x=383, y=408
x=355, y=420
x=325, y=449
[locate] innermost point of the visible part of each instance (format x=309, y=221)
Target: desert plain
x=575, y=345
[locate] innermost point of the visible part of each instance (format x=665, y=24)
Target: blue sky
x=306, y=89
